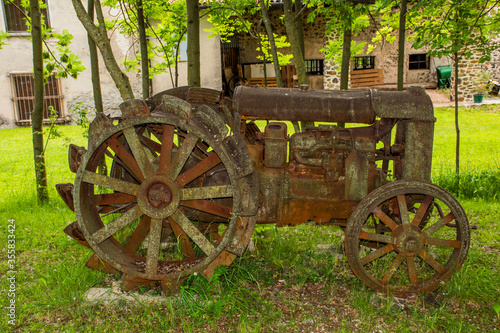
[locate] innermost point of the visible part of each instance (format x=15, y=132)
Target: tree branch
x=297, y=16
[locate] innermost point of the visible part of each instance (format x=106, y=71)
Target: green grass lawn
x=479, y=131
x=284, y=286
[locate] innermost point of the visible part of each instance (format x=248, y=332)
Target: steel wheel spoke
x=108, y=210
x=108, y=182
x=376, y=237
x=139, y=235
x=208, y=192
x=153, y=246
x=439, y=224
x=209, y=207
x=116, y=225
x=384, y=218
x=412, y=269
x=377, y=254
x=432, y=262
x=181, y=236
x=127, y=160
x=444, y=242
x=193, y=233
x=393, y=268
x=422, y=210
x=424, y=253
x=167, y=142
x=199, y=169
x=138, y=152
x=152, y=144
x=112, y=198
x=182, y=155
x=403, y=209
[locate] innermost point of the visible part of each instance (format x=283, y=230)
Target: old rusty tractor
x=191, y=174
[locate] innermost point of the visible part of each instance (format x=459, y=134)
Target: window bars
x=23, y=96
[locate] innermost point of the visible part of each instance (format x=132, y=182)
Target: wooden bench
x=271, y=82
x=367, y=77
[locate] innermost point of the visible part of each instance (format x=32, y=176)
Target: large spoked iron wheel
x=407, y=237
x=173, y=203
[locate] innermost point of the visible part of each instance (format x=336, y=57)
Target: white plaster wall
x=17, y=56
x=210, y=63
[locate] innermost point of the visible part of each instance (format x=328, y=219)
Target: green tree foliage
x=458, y=29
x=281, y=42
x=3, y=36
x=340, y=15
x=51, y=56
x=58, y=58
x=455, y=26
x=231, y=17
x=62, y=61
x=166, y=28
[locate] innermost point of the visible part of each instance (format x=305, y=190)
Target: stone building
x=16, y=67
x=420, y=69
x=16, y=64
x=219, y=62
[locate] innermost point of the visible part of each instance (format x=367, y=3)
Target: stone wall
x=313, y=36
x=331, y=77
x=313, y=41
x=469, y=71
x=386, y=54
x=386, y=58
x=493, y=66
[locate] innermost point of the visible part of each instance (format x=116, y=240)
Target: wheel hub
x=158, y=197
x=410, y=240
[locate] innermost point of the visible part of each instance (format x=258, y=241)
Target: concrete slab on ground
x=115, y=296
x=439, y=99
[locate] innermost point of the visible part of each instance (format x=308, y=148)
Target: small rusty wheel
x=176, y=205
x=424, y=240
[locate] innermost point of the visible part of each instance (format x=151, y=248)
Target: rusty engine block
x=190, y=175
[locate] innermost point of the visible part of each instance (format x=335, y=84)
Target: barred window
x=15, y=16
x=367, y=62
x=314, y=66
x=418, y=61
x=23, y=96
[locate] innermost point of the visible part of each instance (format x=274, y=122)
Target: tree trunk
x=100, y=37
x=346, y=61
x=94, y=65
x=37, y=113
x=96, y=81
x=298, y=57
x=457, y=147
x=291, y=30
x=402, y=39
x=193, y=43
x=300, y=27
x=346, y=58
x=264, y=60
x=272, y=43
x=143, y=42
